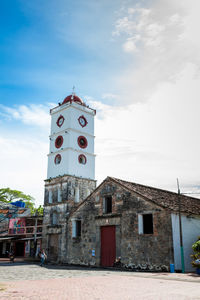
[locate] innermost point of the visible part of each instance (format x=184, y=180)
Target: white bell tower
x=72, y=140
x=70, y=174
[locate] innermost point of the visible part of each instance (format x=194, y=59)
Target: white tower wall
x=71, y=149
x=70, y=140
x=71, y=113
x=70, y=166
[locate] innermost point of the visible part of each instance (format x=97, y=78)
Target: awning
x=29, y=238
x=6, y=238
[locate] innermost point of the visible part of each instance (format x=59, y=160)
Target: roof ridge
x=154, y=188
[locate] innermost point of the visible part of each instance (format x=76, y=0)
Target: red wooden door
x=108, y=246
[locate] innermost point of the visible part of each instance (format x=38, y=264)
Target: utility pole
x=35, y=233
x=180, y=229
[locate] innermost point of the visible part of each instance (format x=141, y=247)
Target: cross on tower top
x=73, y=92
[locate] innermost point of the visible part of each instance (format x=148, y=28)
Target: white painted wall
x=70, y=140
x=71, y=113
x=191, y=231
x=70, y=150
x=70, y=165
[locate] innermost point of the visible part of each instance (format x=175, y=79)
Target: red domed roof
x=71, y=98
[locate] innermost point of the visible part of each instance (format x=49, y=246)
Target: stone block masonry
x=62, y=195
x=138, y=251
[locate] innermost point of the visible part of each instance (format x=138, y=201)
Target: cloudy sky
x=136, y=62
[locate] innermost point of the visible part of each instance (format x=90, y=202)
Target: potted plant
x=196, y=255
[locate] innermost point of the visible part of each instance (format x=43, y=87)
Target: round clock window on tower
x=59, y=141
x=82, y=159
x=82, y=121
x=57, y=159
x=82, y=142
x=60, y=121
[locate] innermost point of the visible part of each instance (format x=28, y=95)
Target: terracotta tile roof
x=162, y=198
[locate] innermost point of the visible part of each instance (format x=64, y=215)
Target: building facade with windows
x=70, y=172
x=137, y=225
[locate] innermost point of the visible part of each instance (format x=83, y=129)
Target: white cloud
x=32, y=115
x=129, y=46
x=23, y=152
x=153, y=142
x=109, y=96
x=161, y=40
x=23, y=164
x=150, y=143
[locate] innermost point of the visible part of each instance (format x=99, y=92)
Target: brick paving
x=30, y=281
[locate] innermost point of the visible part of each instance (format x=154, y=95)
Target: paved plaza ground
x=30, y=281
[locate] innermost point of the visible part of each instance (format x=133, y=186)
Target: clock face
x=59, y=141
x=60, y=121
x=82, y=159
x=57, y=159
x=82, y=121
x=82, y=142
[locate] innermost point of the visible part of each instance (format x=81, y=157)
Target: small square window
x=148, y=224
x=145, y=224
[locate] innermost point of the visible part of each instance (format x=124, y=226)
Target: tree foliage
x=196, y=255
x=7, y=195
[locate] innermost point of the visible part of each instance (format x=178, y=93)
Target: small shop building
x=20, y=232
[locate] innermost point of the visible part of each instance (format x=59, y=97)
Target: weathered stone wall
x=80, y=248
x=137, y=251
x=67, y=185
x=146, y=251
x=63, y=208
x=59, y=229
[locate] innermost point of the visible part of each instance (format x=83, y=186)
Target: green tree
x=7, y=195
x=196, y=255
x=39, y=210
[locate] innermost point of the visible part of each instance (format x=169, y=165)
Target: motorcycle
x=11, y=256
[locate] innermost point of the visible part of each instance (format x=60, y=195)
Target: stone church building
x=130, y=222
